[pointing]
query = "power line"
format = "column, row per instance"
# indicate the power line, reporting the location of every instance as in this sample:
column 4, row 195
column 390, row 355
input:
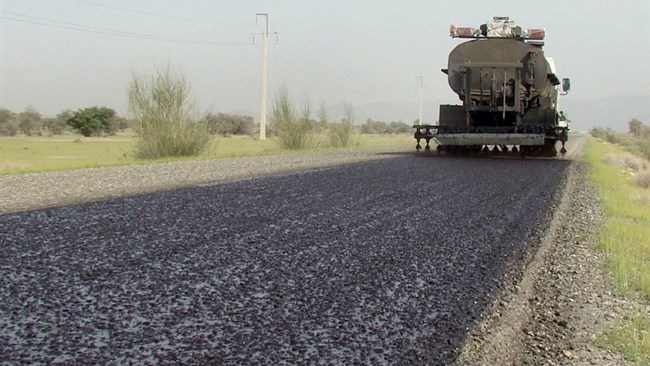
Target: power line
column 28, row 19
column 294, row 66
column 105, row 31
column 264, row 75
column 294, row 54
column 324, row 80
column 314, row 65
column 142, row 12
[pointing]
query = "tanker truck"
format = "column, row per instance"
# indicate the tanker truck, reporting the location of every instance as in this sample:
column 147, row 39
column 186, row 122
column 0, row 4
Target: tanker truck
column 509, row 92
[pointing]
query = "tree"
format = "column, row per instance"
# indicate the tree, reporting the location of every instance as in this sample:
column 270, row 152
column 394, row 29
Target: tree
column 28, row 121
column 230, row 124
column 378, row 127
column 6, row 116
column 636, row 127
column 93, row 121
column 65, row 115
column 58, row 124
column 120, row 123
column 7, row 122
column 398, row 127
column 373, row 127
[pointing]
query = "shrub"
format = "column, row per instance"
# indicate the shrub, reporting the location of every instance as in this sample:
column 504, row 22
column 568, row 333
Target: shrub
column 229, row 124
column 642, row 179
column 373, row 127
column 340, row 134
column 606, row 134
column 28, row 127
column 168, row 121
column 644, row 148
column 292, row 127
column 6, row 116
column 378, row 127
column 399, row 127
column 8, row 129
column 639, row 167
column 626, row 161
column 55, row 126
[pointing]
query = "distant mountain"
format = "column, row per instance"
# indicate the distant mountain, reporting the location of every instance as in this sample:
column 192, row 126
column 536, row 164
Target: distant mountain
column 390, row 112
column 613, row 112
column 243, row 112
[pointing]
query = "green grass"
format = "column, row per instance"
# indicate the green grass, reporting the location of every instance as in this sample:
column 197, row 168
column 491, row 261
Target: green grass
column 626, row 235
column 21, row 154
column 631, row 338
column 625, row 238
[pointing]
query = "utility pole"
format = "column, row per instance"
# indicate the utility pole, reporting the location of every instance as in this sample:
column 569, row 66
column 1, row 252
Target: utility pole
column 265, row 49
column 421, row 92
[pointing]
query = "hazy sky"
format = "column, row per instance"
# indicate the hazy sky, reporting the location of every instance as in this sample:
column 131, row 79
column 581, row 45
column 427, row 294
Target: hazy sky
column 59, row 54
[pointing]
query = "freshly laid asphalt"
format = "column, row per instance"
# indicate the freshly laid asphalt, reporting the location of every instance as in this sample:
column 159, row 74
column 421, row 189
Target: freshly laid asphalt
column 388, row 261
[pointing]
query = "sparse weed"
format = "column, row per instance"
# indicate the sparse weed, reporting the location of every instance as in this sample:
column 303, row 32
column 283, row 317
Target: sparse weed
column 293, row 128
column 626, row 239
column 631, row 338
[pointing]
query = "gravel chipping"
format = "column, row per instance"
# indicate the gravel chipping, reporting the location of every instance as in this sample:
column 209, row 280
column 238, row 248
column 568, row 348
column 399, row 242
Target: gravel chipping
column 21, row 192
column 389, row 259
column 565, row 300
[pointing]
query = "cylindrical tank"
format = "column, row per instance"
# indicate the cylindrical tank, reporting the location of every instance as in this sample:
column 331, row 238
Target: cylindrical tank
column 495, row 51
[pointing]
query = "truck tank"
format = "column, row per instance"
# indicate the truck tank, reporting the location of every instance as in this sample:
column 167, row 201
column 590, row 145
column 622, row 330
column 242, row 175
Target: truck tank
column 509, row 92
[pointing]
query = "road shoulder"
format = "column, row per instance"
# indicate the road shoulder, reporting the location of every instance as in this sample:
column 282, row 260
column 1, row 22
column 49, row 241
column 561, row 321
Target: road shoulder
column 564, row 301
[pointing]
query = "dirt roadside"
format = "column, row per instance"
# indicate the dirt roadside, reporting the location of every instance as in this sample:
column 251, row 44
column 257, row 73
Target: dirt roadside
column 565, row 300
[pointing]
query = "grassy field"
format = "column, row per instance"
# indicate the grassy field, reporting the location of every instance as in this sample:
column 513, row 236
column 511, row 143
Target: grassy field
column 30, row 154
column 21, row 154
column 625, row 238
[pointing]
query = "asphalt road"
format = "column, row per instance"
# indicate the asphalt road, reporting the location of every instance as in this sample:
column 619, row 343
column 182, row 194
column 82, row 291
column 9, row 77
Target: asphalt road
column 381, row 262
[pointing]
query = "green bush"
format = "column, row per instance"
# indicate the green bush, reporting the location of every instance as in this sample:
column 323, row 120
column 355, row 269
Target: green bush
column 93, row 121
column 379, row 127
column 168, row 121
column 293, row 128
column 229, row 124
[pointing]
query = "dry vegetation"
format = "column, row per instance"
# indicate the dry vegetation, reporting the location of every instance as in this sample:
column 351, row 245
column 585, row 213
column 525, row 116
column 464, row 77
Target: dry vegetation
column 636, row 166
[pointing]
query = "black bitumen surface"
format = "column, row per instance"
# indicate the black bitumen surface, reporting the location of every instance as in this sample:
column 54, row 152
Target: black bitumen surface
column 384, row 262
